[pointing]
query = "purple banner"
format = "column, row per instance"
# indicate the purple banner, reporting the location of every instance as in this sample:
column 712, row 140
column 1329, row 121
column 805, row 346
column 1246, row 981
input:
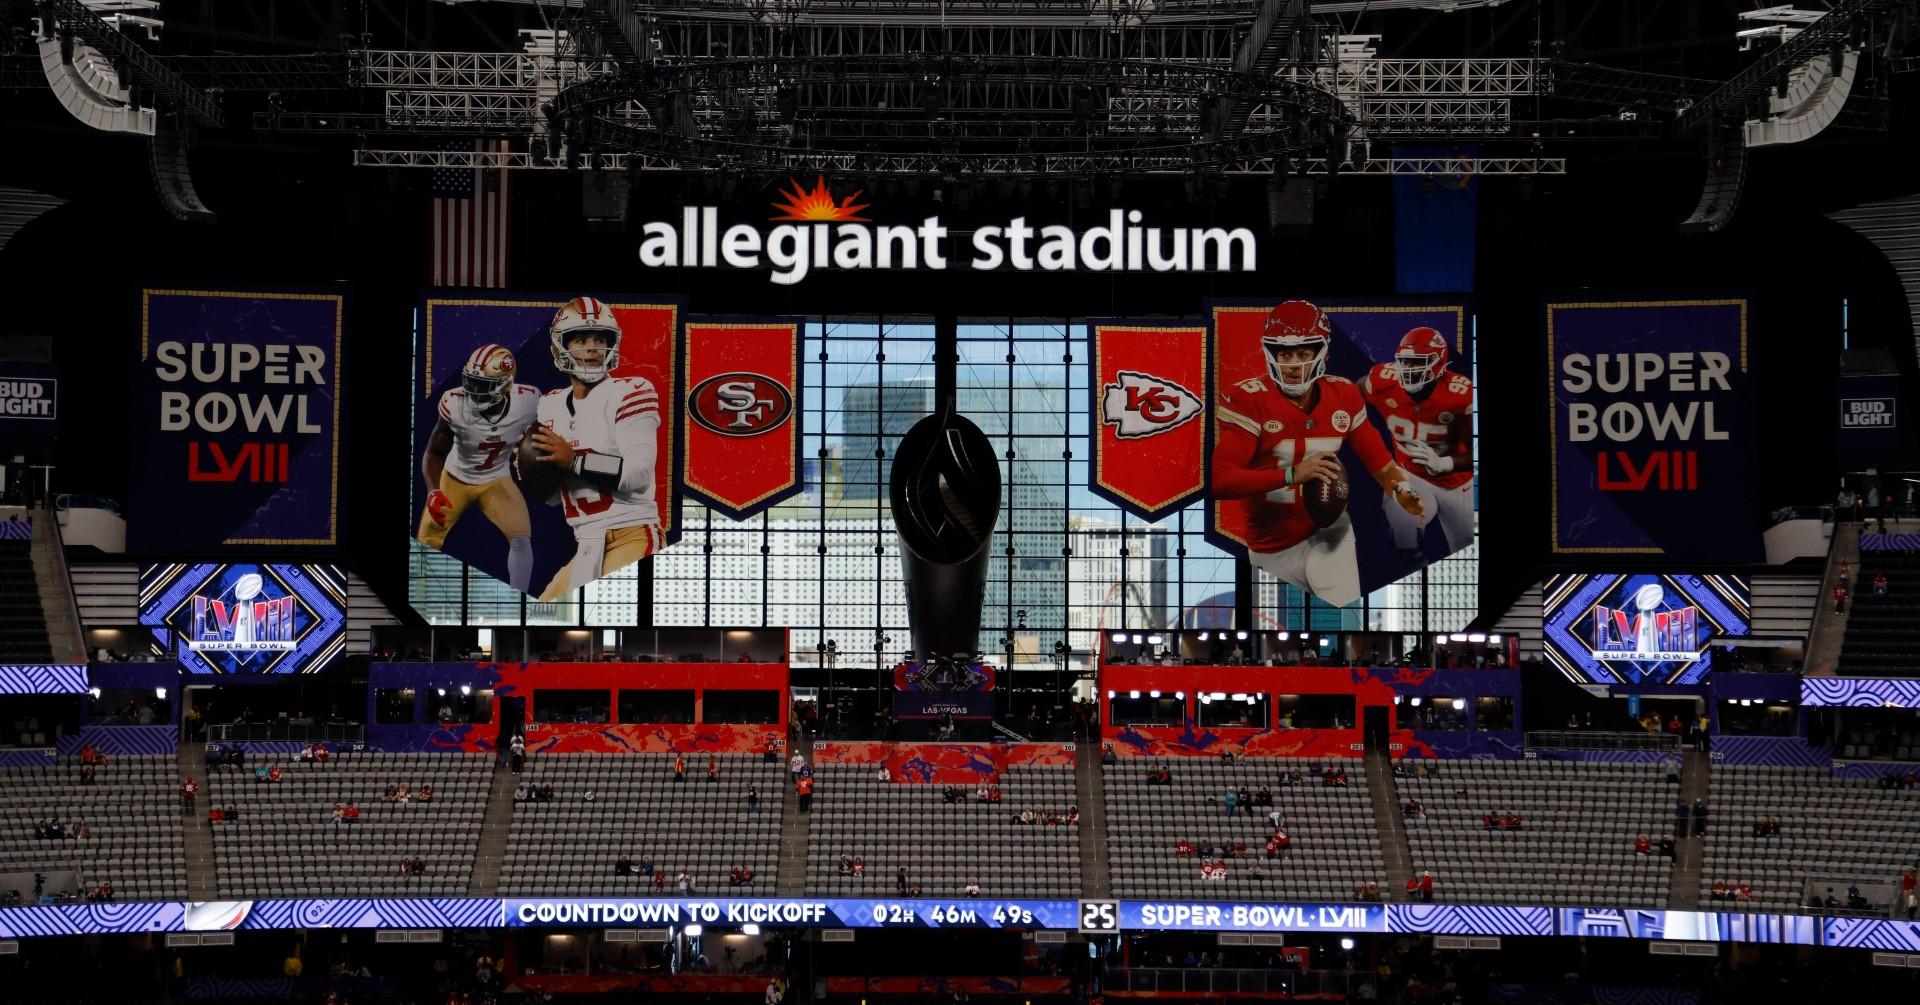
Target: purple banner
column 236, row 420
column 1860, row 692
column 43, row 678
column 1773, row 751
column 1650, row 428
column 1872, row 771
column 1889, row 542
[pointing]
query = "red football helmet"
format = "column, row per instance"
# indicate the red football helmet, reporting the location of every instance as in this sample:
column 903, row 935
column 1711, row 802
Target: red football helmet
column 1421, row 358
column 1296, row 325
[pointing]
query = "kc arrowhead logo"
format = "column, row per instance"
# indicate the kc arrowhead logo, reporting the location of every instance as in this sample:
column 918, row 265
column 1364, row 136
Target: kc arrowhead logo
column 1139, row 405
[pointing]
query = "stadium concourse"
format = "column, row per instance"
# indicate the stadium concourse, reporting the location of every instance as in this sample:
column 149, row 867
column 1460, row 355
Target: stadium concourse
column 1013, row 501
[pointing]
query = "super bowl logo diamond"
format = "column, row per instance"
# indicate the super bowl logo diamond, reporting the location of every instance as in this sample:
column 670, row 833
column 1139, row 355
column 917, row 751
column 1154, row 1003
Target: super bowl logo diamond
column 1140, row 404
column 243, row 622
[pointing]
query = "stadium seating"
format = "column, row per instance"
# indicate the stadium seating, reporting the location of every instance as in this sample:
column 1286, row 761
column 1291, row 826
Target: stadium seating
column 132, row 812
column 23, row 625
column 1575, row 845
column 1841, row 832
column 943, row 846
column 1335, row 844
column 569, row 845
column 1879, row 639
column 286, row 843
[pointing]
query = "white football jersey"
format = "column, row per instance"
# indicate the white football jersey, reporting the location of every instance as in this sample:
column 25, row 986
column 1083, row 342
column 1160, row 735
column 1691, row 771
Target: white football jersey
column 483, row 449
column 619, row 416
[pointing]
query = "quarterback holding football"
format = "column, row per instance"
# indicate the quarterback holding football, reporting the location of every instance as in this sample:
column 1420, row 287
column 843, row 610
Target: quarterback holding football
column 1276, row 457
column 594, row 447
column 466, row 460
column 1429, row 414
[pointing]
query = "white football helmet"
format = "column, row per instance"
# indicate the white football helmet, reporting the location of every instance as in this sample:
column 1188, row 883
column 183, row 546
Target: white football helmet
column 584, row 316
column 488, row 377
column 1297, row 324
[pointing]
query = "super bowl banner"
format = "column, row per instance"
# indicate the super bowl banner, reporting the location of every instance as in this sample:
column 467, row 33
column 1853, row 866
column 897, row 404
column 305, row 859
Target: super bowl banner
column 246, row 618
column 1649, row 428
column 1341, row 442
column 943, row 688
column 742, row 413
column 1149, row 423
column 545, row 435
column 29, row 399
column 236, row 420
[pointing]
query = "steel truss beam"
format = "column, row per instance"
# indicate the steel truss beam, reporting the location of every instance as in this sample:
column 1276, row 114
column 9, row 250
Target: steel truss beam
column 1732, row 100
column 1264, row 166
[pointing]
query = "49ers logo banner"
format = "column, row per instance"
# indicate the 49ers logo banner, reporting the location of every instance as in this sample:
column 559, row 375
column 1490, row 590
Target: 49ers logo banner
column 742, row 413
column 1149, row 436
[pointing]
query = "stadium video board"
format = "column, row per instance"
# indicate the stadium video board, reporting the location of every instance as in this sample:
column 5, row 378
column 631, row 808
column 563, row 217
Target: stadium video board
column 1640, row 628
column 246, row 618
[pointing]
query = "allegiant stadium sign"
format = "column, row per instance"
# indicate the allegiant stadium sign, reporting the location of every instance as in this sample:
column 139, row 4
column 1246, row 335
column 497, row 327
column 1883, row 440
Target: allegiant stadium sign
column 820, row 233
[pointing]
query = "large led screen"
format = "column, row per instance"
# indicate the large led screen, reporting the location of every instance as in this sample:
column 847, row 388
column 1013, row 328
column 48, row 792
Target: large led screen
column 246, row 618
column 1640, row 628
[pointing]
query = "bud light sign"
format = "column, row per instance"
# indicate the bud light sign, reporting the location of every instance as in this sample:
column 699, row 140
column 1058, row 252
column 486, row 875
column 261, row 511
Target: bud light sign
column 246, row 618
column 1644, row 628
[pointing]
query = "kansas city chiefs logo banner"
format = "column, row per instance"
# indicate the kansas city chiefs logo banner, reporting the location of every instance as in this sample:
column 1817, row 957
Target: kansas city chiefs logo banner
column 1149, row 431
column 742, row 413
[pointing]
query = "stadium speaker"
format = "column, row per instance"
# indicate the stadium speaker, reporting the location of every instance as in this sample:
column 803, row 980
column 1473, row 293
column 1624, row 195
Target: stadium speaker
column 1726, row 174
column 603, row 199
column 1289, row 204
column 945, row 489
column 172, row 176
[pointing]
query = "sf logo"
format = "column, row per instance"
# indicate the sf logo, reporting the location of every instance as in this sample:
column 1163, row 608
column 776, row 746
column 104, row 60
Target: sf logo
column 740, row 404
column 1141, row 404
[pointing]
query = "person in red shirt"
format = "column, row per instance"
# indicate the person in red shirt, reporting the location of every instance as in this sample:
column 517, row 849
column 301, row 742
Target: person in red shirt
column 351, row 814
column 1426, row 886
column 273, row 773
column 1429, row 417
column 713, row 768
column 1840, row 599
column 1642, row 846
column 1280, row 430
column 1413, row 887
column 804, row 788
column 321, row 752
column 188, row 790
column 679, row 768
column 216, row 815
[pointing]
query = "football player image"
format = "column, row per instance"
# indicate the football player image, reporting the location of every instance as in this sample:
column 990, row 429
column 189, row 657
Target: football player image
column 600, row 433
column 468, row 457
column 1282, row 430
column 1429, row 414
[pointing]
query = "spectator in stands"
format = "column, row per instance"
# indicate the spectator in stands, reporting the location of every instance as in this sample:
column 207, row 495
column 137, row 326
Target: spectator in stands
column 846, row 864
column 1675, row 727
column 260, row 773
column 339, row 814
column 406, row 866
column 520, row 793
column 1414, row 810
column 900, row 880
column 86, row 774
column 684, row 882
column 217, row 815
column 1906, row 888
column 321, row 752
column 517, row 752
column 972, row 889
column 993, row 793
column 1665, row 844
column 1673, row 769
column 1719, row 891
column 1246, row 801
column 1024, row 817
column 426, row 792
column 1840, row 598
column 351, row 814
column 679, row 768
column 1699, row 818
column 660, row 880
column 81, row 831
column 1264, row 797
column 1743, row 893
column 103, row 892
column 804, row 789
column 273, row 773
column 795, row 763
column 882, row 773
column 713, row 768
column 1108, row 757
column 188, row 790
column 1642, row 846
column 1232, row 800
column 1426, row 886
column 753, row 798
column 1279, row 844
column 1879, row 584
column 1073, row 815
column 305, row 754
column 623, row 866
column 859, row 866
column 771, row 753
column 588, row 796
column 1183, row 849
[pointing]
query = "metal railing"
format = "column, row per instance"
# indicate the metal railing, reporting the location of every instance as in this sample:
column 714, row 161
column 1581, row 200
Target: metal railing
column 1224, row 981
column 1573, row 739
column 299, row 732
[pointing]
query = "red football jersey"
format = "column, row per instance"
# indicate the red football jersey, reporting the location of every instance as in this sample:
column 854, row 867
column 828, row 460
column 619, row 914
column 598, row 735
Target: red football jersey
column 1261, row 428
column 1444, row 418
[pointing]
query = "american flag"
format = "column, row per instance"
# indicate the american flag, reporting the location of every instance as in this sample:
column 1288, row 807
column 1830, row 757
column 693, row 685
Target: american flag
column 471, row 220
